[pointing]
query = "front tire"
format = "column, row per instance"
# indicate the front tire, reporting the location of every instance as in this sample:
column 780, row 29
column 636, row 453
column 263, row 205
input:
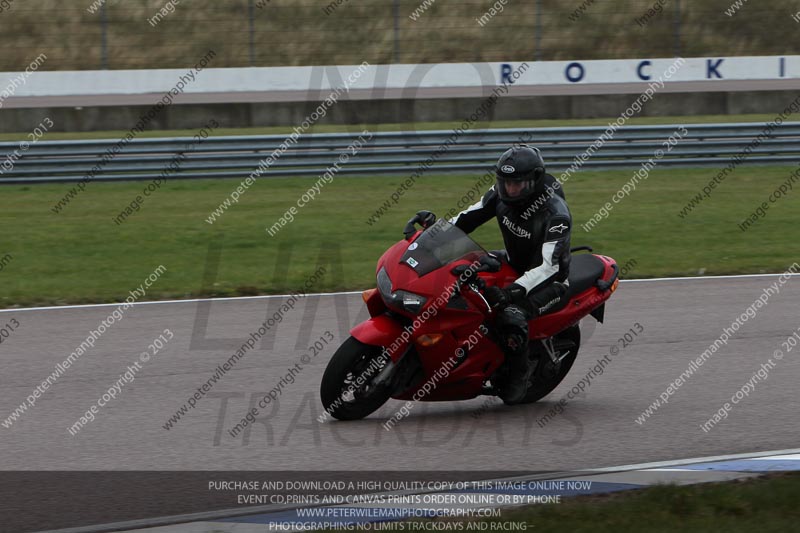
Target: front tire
column 348, row 391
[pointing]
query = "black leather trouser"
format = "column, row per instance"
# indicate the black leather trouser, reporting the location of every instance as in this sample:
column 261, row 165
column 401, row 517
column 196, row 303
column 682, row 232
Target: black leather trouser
column 512, row 325
column 512, row 321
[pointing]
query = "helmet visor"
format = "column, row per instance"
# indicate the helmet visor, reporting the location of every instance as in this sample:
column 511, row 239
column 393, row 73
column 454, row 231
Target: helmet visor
column 514, row 190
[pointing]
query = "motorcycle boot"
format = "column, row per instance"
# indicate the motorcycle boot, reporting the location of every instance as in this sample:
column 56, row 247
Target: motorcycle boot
column 513, row 329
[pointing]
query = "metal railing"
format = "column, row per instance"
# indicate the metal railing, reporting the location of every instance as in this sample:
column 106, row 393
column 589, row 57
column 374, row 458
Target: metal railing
column 391, row 152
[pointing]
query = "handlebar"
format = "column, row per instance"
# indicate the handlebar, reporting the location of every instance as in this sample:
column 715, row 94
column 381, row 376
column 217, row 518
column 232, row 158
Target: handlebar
column 460, row 270
column 473, row 281
column 487, row 263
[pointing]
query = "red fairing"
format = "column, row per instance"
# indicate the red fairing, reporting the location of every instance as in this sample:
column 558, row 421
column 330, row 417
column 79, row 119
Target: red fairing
column 464, row 381
column 391, row 257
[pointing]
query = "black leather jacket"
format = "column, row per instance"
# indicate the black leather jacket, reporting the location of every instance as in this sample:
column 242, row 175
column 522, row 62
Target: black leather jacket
column 536, row 235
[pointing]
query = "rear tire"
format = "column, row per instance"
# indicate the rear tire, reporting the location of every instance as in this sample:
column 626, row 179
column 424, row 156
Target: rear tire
column 544, row 380
column 342, row 396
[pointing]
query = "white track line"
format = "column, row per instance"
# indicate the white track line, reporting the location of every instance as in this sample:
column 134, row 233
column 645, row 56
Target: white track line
column 681, row 462
column 732, row 276
column 156, row 302
column 194, row 300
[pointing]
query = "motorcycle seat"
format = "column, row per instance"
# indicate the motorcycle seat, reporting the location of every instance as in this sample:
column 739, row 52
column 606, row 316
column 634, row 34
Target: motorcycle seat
column 584, row 271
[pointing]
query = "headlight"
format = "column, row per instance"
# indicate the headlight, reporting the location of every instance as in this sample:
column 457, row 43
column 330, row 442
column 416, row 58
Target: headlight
column 384, row 284
column 407, row 301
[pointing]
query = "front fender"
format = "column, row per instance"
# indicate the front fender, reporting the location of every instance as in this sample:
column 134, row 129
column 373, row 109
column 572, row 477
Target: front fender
column 382, row 330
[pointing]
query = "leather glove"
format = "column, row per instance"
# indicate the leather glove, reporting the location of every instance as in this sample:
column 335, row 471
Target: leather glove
column 426, row 219
column 501, row 298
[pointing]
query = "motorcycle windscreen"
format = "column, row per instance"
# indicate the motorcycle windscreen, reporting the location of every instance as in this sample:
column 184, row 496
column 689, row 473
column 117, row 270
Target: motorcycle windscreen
column 439, row 245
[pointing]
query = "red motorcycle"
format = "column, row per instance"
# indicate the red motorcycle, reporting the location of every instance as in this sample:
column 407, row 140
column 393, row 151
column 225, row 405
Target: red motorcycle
column 431, row 336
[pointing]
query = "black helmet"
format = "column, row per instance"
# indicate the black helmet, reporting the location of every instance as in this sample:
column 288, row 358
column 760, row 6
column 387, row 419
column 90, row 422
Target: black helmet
column 520, row 165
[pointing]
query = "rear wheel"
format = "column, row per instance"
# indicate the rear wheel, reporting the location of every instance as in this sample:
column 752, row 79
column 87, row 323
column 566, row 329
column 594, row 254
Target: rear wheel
column 548, row 375
column 348, row 391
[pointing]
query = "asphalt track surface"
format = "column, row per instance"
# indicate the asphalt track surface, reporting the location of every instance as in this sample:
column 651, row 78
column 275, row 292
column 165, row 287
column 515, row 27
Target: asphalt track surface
column 680, row 318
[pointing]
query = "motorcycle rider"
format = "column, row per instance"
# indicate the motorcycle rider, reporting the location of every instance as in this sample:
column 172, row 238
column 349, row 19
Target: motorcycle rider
column 536, row 224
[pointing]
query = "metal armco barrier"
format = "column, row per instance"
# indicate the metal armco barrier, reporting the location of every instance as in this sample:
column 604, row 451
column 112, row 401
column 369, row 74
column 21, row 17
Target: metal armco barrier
column 392, row 152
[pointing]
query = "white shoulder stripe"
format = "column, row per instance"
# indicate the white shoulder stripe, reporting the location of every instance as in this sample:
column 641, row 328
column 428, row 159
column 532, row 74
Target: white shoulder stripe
column 535, row 276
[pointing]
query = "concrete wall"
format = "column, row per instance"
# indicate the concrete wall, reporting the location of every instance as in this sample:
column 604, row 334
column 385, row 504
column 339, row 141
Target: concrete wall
column 190, row 116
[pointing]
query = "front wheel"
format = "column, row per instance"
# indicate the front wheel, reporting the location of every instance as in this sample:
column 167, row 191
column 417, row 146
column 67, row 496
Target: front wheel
column 348, row 391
